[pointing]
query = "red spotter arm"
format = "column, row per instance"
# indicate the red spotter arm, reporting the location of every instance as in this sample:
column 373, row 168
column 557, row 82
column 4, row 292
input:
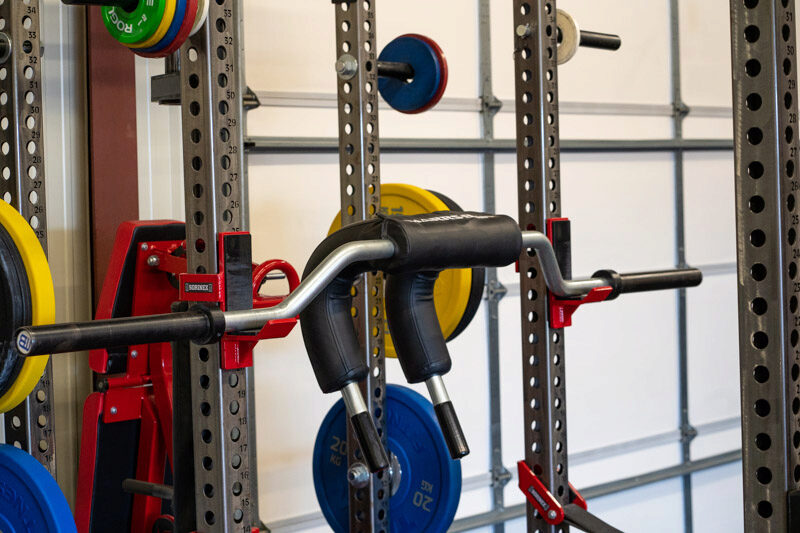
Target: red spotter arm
column 575, row 513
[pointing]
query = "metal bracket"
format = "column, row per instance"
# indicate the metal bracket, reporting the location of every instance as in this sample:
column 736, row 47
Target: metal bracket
column 491, row 104
column 501, row 477
column 680, row 110
column 688, row 433
column 495, row 290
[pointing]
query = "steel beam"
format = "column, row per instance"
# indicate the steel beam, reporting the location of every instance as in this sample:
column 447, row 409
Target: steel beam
column 290, row 145
column 474, row 105
column 679, row 113
column 490, row 106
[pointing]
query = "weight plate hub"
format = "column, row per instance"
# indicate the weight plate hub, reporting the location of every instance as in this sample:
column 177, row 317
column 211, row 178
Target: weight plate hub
column 30, row 500
column 569, row 36
column 19, row 246
column 430, row 74
column 427, row 496
column 458, row 292
column 141, row 24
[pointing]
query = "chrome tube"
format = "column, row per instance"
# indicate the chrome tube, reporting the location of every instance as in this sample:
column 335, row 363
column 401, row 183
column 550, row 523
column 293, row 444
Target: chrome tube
column 552, row 272
column 312, row 286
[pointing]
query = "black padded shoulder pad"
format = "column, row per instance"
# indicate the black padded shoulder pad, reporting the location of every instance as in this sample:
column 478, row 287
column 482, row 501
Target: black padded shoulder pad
column 429, row 242
column 327, row 326
column 446, row 239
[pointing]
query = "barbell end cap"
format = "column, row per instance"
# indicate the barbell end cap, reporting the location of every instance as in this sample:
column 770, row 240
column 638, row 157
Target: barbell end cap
column 370, row 442
column 23, row 341
column 451, row 430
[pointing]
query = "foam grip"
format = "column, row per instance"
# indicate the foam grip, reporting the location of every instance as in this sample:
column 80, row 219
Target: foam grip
column 370, row 442
column 411, row 315
column 451, row 429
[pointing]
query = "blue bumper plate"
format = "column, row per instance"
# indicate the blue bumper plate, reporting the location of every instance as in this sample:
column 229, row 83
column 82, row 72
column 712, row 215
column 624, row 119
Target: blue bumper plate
column 427, row 496
column 430, row 74
column 30, row 499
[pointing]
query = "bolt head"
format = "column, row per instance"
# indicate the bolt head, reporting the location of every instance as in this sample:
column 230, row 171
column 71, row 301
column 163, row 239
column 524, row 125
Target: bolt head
column 551, row 515
column 113, row 410
column 143, row 246
column 524, row 30
column 153, row 261
column 346, row 66
column 358, row 476
column 134, row 354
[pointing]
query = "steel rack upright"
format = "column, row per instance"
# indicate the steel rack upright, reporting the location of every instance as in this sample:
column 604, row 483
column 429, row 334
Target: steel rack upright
column 539, row 198
column 359, row 178
column 765, row 147
column 214, row 434
column 31, row 424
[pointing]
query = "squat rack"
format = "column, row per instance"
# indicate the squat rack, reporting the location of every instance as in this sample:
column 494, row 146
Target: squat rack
column 225, row 22
column 487, row 146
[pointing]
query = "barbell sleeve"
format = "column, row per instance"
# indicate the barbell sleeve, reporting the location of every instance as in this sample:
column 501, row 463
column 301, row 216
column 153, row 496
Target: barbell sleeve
column 127, row 5
column 658, row 280
column 398, row 71
column 364, row 427
column 601, row 41
column 448, row 420
column 74, row 337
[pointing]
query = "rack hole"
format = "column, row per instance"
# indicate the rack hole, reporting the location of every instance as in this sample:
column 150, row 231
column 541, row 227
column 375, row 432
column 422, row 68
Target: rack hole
column 758, row 271
column 759, row 306
column 763, row 442
column 760, row 340
column 757, row 238
column 755, row 170
column 755, row 136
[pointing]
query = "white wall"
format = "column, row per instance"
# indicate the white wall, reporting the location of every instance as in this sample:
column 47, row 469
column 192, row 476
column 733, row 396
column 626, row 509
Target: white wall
column 622, row 357
column 65, row 141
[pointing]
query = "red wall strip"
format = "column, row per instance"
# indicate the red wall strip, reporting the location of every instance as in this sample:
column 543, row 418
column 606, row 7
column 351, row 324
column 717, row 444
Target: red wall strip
column 112, row 138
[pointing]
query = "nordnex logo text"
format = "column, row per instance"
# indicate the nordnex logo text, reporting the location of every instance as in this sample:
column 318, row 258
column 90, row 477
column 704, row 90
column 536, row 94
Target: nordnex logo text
column 198, row 287
column 445, row 218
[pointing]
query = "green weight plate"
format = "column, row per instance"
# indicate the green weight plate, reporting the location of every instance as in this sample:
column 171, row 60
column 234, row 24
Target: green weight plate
column 134, row 27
